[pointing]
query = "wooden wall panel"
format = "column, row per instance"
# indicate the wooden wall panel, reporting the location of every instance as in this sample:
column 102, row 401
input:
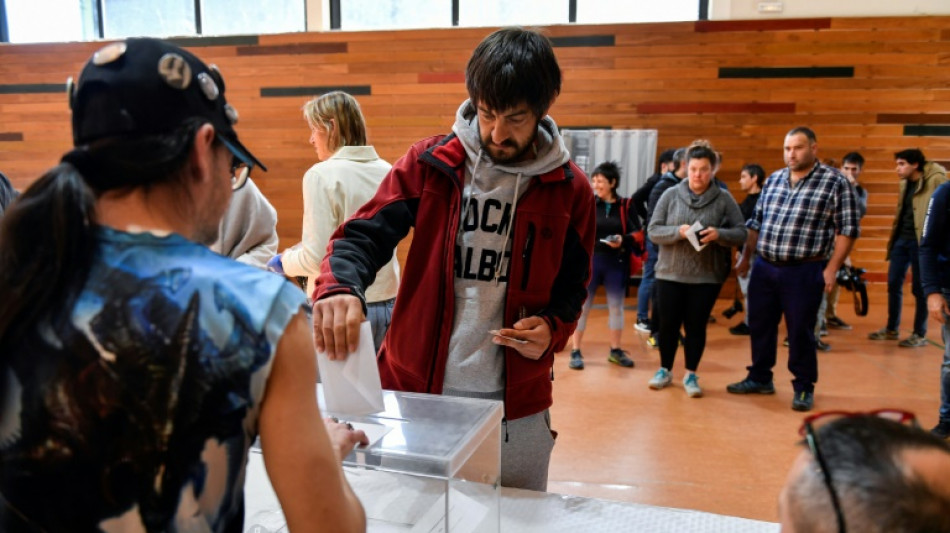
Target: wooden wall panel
column 871, row 84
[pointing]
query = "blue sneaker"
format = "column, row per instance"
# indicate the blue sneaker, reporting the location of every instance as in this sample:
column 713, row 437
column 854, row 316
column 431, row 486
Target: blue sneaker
column 577, row 361
column 661, row 379
column 691, row 384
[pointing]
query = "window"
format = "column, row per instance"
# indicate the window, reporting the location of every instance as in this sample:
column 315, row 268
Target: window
column 394, row 14
column 613, row 12
column 521, row 13
column 232, row 17
column 153, row 18
column 29, row 21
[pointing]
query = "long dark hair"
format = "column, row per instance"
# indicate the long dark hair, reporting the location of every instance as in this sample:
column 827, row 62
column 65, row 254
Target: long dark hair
column 48, row 236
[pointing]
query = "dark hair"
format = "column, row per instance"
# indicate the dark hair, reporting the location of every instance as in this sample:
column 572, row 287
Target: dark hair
column 757, row 172
column 513, row 66
column 609, row 170
column 665, row 157
column 913, row 156
column 679, row 157
column 700, row 151
column 807, row 132
column 47, row 237
column 853, row 157
column 7, row 193
column 865, row 456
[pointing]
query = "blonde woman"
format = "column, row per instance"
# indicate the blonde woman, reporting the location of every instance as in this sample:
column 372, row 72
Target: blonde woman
column 347, row 176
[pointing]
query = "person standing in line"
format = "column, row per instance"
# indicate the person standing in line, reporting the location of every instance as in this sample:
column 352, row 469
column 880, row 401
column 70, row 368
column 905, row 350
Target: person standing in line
column 689, row 280
column 668, row 180
column 751, row 179
column 935, row 283
column 806, row 210
column 616, row 223
column 347, row 176
column 851, row 166
column 919, row 179
column 495, row 280
column 641, row 200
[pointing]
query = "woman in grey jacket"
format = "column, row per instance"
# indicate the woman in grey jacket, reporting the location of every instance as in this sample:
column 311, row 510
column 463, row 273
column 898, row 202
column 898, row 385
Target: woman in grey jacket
column 688, row 281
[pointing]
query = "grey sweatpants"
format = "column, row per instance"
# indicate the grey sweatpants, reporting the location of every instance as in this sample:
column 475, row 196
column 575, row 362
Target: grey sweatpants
column 526, row 446
column 527, row 453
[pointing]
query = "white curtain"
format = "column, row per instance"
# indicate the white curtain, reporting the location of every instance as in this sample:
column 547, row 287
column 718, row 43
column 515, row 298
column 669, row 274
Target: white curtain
column 633, row 150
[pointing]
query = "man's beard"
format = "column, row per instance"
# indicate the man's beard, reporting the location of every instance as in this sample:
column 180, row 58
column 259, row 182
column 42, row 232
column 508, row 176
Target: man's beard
column 520, row 151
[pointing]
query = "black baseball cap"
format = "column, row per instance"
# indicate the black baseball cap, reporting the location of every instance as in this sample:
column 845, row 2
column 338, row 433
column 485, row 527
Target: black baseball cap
column 142, row 86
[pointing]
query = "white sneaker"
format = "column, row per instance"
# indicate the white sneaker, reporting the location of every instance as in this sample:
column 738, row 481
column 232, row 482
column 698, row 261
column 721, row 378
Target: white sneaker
column 661, row 379
column 691, row 384
column 642, row 325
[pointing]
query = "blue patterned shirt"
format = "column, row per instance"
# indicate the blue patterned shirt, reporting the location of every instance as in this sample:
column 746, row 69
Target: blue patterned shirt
column 135, row 411
column 800, row 222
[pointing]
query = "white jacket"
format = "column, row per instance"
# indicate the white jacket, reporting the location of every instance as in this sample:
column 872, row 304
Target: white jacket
column 332, row 191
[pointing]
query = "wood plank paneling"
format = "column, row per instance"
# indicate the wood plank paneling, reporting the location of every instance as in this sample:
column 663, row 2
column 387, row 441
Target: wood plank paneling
column 884, row 86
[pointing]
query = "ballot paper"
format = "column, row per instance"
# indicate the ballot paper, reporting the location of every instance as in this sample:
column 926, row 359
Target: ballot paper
column 692, row 235
column 352, row 386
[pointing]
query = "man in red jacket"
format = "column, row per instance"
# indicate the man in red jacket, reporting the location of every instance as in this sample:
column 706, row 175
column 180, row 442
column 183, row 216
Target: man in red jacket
column 503, row 234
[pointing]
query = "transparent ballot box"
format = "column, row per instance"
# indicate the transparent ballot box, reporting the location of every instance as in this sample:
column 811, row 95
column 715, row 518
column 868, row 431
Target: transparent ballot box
column 433, row 463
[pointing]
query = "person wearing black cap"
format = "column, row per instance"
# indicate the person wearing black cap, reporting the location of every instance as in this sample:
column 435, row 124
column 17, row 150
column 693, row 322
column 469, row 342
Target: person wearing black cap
column 137, row 366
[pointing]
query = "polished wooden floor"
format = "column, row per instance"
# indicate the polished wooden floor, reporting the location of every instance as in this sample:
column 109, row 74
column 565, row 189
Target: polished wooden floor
column 721, row 453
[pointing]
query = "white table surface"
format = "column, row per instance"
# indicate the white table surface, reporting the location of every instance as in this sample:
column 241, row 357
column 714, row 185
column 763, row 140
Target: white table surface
column 523, row 511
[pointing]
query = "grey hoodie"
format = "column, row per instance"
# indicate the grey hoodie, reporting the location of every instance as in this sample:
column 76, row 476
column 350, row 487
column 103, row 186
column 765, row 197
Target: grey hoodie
column 678, row 260
column 489, row 202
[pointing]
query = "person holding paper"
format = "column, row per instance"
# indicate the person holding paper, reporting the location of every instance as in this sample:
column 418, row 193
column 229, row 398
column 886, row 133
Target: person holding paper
column 695, row 225
column 137, row 366
column 503, row 232
column 616, row 223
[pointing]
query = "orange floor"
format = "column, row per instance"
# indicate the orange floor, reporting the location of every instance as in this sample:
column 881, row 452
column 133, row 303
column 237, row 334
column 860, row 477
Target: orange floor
column 722, row 453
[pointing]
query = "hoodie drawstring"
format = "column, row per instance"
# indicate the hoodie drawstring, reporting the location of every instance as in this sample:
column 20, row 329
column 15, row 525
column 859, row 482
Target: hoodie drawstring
column 500, row 267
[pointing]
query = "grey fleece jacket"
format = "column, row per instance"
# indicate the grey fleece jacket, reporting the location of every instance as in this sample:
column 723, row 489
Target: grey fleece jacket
column 678, row 260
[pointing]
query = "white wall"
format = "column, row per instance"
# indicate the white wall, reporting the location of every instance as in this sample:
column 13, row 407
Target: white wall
column 748, row 9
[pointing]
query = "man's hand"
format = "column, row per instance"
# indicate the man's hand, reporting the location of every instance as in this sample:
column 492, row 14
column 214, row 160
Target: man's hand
column 683, row 229
column 336, row 325
column 831, row 278
column 742, row 267
column 532, row 329
column 938, row 308
column 343, row 437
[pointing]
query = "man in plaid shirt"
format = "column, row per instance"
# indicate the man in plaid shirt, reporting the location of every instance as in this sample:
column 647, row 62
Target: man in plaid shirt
column 803, row 228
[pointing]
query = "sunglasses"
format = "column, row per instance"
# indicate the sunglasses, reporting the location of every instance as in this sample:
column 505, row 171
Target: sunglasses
column 809, row 430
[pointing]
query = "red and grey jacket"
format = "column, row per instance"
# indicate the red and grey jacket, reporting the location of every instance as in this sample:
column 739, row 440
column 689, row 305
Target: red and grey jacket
column 551, row 246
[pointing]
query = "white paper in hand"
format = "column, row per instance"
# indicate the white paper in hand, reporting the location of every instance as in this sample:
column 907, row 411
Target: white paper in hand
column 352, row 386
column 692, row 234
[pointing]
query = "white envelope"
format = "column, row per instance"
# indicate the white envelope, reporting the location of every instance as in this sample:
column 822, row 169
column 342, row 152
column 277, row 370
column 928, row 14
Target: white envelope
column 693, row 236
column 352, row 386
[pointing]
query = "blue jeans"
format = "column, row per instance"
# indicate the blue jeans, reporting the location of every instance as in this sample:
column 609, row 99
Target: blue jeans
column 904, row 254
column 645, row 291
column 945, row 367
column 795, row 291
column 380, row 314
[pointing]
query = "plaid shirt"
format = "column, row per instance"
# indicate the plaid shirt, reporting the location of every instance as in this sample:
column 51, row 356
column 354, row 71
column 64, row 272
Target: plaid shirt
column 796, row 223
